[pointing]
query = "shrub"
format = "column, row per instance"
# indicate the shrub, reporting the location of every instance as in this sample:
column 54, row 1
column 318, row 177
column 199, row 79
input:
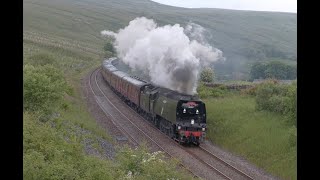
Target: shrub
column 279, row 98
column 207, row 75
column 43, row 87
column 264, row 92
column 218, row 91
column 139, row 164
column 277, row 103
column 250, row 91
column 109, row 49
column 291, row 104
column 46, row 155
column 205, row 92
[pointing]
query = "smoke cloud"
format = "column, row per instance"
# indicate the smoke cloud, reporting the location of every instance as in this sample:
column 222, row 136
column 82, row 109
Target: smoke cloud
column 171, row 55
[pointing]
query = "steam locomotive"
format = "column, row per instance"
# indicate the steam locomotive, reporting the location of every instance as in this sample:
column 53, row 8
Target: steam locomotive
column 180, row 116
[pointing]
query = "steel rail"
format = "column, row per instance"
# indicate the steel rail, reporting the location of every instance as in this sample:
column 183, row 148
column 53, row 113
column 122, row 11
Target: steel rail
column 97, row 70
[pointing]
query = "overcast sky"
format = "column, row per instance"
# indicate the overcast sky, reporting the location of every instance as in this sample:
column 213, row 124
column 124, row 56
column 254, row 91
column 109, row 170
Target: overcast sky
column 256, row 5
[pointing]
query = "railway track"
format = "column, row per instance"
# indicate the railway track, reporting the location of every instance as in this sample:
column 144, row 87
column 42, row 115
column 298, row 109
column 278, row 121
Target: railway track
column 124, row 131
column 225, row 163
column 200, row 153
column 113, row 118
column 223, row 168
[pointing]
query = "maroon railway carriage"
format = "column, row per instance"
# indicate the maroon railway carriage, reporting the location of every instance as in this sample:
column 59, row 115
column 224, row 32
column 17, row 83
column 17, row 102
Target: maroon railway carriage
column 131, row 89
column 116, row 80
column 107, row 72
column 128, row 87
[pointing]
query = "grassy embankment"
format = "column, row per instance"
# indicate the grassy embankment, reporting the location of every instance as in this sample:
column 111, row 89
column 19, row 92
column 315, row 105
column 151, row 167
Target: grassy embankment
column 264, row 138
column 55, row 141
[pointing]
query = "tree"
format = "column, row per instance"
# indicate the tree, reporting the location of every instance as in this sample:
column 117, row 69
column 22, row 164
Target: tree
column 258, row 71
column 207, row 75
column 276, row 69
column 273, row 69
column 109, row 49
column 291, row 72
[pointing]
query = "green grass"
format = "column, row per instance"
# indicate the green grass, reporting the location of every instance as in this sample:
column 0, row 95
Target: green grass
column 77, row 115
column 84, row 20
column 74, row 65
column 261, row 137
column 48, row 155
column 55, row 149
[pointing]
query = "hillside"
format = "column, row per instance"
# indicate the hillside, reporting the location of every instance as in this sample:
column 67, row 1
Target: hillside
column 243, row 36
column 62, row 43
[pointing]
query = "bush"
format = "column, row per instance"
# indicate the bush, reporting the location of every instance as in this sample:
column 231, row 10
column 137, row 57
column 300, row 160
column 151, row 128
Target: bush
column 205, row 92
column 291, row 104
column 43, row 88
column 218, row 91
column 278, row 103
column 250, row 91
column 109, row 49
column 46, row 155
column 207, row 75
column 275, row 97
column 139, row 164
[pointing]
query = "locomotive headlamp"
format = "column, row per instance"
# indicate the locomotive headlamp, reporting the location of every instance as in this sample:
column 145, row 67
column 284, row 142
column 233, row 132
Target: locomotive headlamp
column 184, row 110
column 192, row 121
column 179, row 127
column 197, row 112
column 203, row 129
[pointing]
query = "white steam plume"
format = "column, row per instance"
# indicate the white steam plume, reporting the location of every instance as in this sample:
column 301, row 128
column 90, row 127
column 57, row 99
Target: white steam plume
column 108, row 33
column 167, row 54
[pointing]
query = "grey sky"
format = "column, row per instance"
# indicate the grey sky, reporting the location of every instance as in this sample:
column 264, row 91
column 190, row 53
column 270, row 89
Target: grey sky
column 256, row 5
